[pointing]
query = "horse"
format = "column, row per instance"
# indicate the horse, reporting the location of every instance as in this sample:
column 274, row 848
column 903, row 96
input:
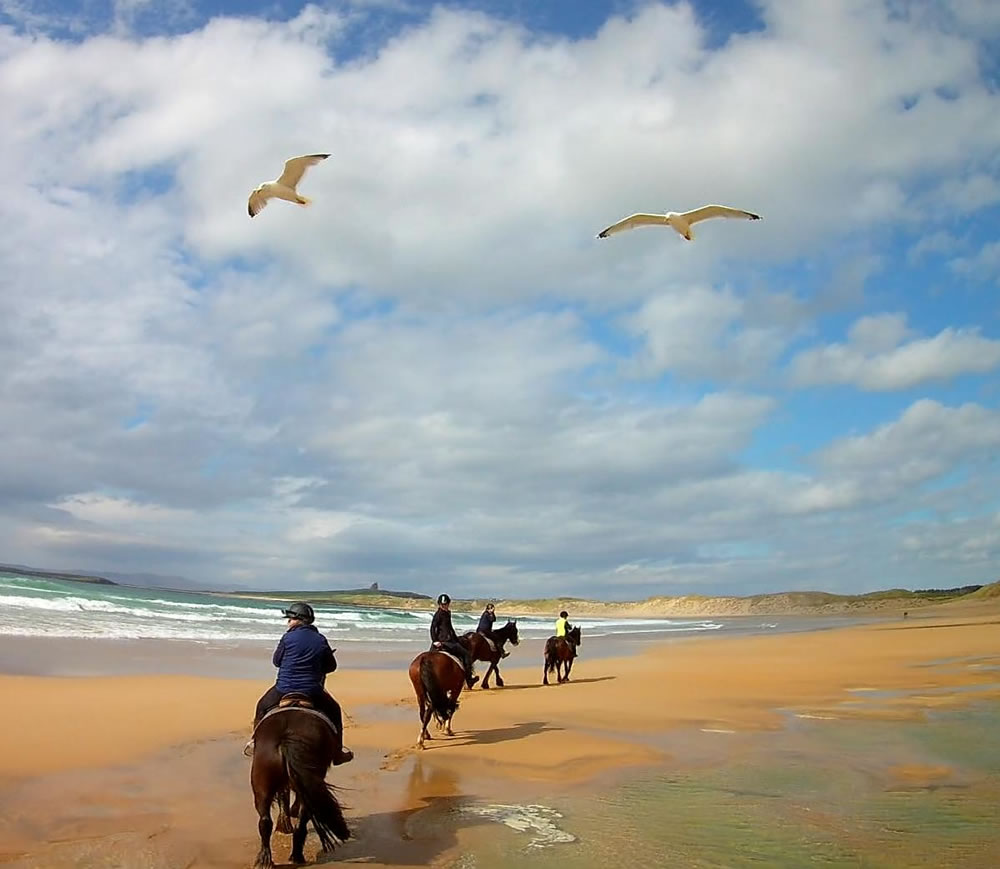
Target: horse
column 437, row 681
column 481, row 650
column 560, row 652
column 294, row 747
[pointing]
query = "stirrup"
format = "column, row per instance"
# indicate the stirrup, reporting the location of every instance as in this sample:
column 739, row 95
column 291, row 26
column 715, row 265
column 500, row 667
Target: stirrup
column 345, row 756
column 248, row 748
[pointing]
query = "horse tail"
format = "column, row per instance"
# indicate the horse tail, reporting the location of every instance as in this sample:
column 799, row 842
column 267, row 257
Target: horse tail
column 442, row 705
column 307, row 773
column 550, row 656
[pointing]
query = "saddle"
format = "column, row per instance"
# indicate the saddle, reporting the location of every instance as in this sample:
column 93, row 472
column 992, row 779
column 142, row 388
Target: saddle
column 489, row 640
column 293, row 702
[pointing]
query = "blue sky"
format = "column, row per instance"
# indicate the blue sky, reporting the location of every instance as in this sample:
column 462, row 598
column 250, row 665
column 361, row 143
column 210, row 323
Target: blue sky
column 436, row 376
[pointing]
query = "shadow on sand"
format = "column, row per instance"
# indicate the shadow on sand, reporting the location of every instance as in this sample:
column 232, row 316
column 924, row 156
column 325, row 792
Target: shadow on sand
column 553, row 684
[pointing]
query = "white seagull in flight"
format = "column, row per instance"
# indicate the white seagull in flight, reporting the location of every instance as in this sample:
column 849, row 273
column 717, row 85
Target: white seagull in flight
column 680, row 222
column 284, row 186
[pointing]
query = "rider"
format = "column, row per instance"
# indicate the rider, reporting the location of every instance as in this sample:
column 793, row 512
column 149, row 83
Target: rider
column 563, row 627
column 443, row 636
column 486, row 626
column 303, row 658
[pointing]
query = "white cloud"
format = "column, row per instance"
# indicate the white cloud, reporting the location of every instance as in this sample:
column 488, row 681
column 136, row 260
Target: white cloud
column 421, row 376
column 984, row 265
column 703, row 332
column 875, row 356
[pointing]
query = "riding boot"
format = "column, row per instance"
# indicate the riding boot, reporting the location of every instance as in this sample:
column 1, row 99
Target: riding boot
column 470, row 679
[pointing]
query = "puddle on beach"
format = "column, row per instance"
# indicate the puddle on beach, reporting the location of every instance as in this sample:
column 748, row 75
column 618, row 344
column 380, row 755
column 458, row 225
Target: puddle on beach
column 829, row 793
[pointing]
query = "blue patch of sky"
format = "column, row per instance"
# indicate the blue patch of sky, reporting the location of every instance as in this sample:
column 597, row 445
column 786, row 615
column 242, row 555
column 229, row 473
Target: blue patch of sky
column 143, row 413
column 370, row 24
column 137, row 185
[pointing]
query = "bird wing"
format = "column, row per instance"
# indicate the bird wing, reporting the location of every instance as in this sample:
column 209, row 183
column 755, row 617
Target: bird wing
column 257, row 202
column 708, row 211
column 295, row 168
column 632, row 221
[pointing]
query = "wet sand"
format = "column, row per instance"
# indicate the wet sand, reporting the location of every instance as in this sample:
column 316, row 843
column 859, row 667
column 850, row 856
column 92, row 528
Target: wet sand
column 147, row 771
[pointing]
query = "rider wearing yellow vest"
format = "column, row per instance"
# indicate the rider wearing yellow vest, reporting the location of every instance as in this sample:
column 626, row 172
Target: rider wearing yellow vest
column 562, row 625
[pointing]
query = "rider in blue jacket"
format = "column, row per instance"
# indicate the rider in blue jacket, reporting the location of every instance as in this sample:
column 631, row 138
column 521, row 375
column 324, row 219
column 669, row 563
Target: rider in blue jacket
column 303, row 658
column 485, row 627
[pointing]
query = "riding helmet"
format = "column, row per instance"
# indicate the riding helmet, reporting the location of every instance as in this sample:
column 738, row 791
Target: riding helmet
column 443, row 599
column 564, row 615
column 301, row 611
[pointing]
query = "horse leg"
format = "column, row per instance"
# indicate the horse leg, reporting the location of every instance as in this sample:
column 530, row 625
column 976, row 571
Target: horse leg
column 486, row 679
column 496, row 670
column 293, row 812
column 425, row 719
column 284, row 824
column 448, row 729
column 299, row 839
column 262, row 801
column 545, row 673
column 569, row 666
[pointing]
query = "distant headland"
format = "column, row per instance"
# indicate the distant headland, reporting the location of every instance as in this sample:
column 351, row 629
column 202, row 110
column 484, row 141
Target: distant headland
column 21, row 570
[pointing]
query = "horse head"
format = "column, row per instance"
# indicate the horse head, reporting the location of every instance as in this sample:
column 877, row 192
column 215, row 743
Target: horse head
column 511, row 631
column 573, row 635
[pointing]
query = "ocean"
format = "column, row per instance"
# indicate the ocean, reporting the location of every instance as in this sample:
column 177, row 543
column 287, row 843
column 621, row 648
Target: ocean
column 31, row 606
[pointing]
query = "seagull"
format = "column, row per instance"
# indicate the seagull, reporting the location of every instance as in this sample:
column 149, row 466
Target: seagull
column 681, row 222
column 284, row 187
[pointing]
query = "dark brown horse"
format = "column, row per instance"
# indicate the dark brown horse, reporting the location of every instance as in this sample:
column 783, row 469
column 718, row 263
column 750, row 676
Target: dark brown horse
column 437, row 681
column 481, row 650
column 559, row 653
column 293, row 749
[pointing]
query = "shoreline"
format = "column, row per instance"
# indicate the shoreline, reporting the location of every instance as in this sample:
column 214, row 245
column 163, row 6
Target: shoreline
column 251, row 658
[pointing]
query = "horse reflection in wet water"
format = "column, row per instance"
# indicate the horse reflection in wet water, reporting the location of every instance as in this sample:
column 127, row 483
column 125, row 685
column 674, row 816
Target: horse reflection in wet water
column 560, row 653
column 437, row 681
column 293, row 750
column 481, row 649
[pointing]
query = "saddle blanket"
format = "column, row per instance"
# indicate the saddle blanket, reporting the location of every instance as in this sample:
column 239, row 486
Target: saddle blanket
column 450, row 655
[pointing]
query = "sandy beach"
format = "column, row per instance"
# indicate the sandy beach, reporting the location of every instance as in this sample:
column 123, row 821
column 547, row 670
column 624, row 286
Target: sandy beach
column 160, row 754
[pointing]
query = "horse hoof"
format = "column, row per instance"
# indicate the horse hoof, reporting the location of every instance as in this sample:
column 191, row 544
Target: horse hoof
column 297, row 859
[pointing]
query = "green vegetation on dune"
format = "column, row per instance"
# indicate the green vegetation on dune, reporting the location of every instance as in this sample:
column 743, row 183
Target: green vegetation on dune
column 987, row 591
column 792, row 602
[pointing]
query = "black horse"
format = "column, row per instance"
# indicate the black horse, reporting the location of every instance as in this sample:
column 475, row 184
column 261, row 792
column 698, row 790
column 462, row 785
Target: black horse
column 482, row 650
column 559, row 653
column 293, row 749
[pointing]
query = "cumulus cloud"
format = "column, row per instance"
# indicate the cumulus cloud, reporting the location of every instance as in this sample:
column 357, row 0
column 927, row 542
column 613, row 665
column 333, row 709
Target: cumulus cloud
column 436, row 374
column 877, row 356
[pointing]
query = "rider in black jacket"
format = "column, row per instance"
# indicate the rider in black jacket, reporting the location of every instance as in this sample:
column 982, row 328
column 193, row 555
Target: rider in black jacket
column 443, row 637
